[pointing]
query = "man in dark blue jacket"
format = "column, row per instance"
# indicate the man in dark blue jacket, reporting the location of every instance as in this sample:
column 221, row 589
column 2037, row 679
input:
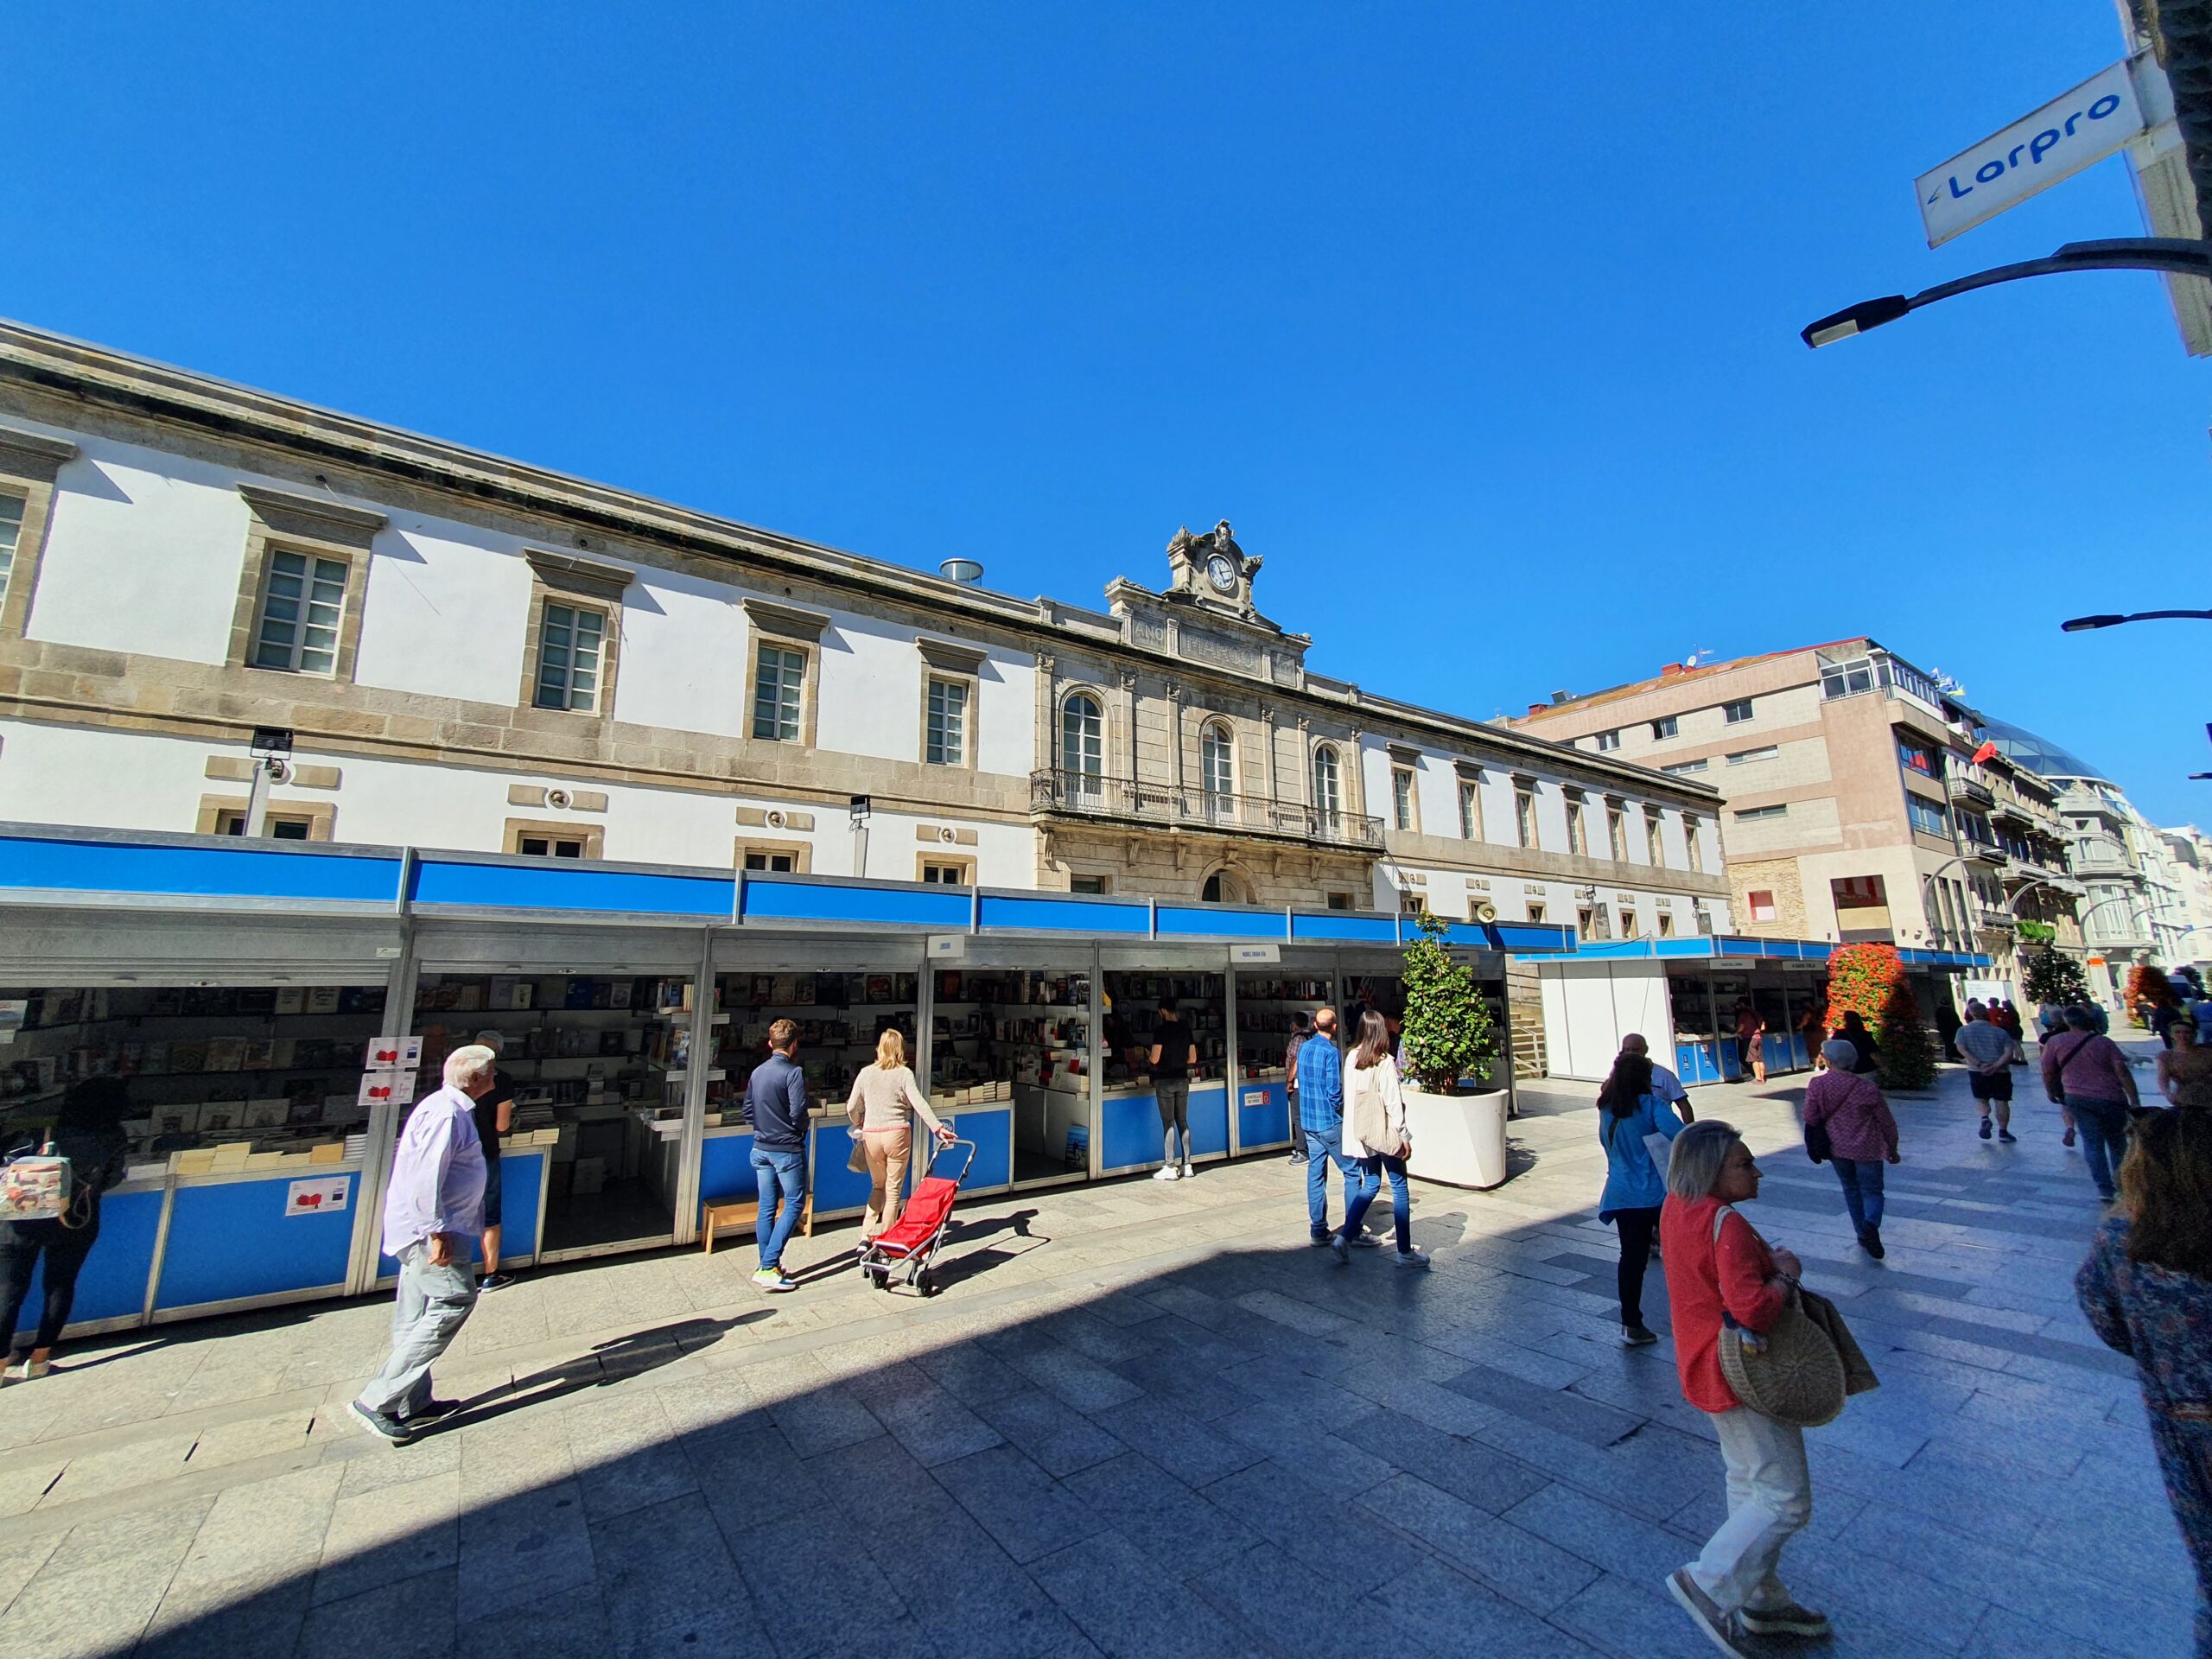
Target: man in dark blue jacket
column 775, row 1098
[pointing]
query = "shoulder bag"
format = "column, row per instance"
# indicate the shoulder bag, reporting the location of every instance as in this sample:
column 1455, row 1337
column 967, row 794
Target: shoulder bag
column 1799, row 1377
column 1371, row 1118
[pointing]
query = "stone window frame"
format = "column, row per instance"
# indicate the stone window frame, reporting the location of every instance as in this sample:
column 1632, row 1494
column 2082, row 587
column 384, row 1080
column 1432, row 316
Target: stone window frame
column 785, row 627
column 964, row 863
column 1223, row 729
column 1578, row 823
column 1107, row 731
column 1334, row 748
column 1616, row 830
column 281, row 522
column 801, row 854
column 954, row 665
column 593, row 836
column 1405, row 760
column 322, row 817
column 29, row 463
column 1528, row 820
column 1470, row 778
column 1655, row 837
column 579, row 583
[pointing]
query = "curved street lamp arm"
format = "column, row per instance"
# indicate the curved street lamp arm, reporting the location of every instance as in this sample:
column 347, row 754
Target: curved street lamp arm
column 2176, row 255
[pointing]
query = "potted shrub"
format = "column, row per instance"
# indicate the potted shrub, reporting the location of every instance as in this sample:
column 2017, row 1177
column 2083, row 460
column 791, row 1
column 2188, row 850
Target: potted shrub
column 1869, row 980
column 1457, row 1119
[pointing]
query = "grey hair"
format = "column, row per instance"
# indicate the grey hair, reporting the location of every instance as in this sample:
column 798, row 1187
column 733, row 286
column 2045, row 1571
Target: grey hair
column 1693, row 1161
column 470, row 1064
column 1839, row 1055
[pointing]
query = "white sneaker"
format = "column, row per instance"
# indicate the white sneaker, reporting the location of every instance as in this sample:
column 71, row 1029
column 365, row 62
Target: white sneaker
column 1165, row 1172
column 1363, row 1240
column 772, row 1279
column 1413, row 1258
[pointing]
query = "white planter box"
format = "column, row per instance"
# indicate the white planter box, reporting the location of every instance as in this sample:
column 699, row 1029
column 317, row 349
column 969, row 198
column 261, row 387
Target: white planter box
column 1459, row 1139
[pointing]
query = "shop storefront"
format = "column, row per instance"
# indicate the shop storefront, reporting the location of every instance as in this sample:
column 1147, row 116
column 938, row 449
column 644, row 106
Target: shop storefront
column 1703, row 1000
column 276, row 1010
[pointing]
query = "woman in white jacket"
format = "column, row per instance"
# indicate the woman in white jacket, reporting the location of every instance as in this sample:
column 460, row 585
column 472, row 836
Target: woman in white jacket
column 1375, row 1104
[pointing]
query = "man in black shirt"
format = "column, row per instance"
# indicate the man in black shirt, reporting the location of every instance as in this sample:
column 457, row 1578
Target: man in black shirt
column 1173, row 1054
column 494, row 1116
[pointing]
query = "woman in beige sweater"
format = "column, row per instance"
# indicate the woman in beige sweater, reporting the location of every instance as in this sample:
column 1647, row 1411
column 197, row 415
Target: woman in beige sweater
column 884, row 1100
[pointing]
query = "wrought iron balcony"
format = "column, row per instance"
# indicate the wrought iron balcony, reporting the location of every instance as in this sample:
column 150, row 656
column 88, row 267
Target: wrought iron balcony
column 1965, row 788
column 1086, row 795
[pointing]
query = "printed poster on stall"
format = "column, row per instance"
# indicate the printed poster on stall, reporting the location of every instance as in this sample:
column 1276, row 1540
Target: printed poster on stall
column 317, row 1198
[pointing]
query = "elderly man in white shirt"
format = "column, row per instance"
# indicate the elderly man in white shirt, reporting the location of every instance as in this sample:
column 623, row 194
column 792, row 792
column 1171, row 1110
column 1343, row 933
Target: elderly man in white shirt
column 1665, row 1083
column 432, row 1212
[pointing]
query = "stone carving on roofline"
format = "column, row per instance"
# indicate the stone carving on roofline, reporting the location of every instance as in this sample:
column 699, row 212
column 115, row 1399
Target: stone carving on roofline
column 1211, row 567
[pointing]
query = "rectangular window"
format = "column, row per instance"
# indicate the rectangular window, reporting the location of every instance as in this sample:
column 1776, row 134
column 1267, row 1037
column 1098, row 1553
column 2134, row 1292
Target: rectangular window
column 1628, row 922
column 1664, row 728
column 1340, row 901
column 1915, row 757
column 1750, row 756
column 1616, row 835
column 1608, row 741
column 12, row 531
column 773, row 863
column 1754, row 814
column 1535, row 910
column 1654, row 844
column 301, row 606
column 1524, row 816
column 275, row 826
column 1927, row 817
column 1412, row 904
column 1761, row 904
column 1577, row 835
column 1737, row 712
column 1401, row 796
column 1666, row 923
column 567, row 656
column 775, row 694
column 1086, row 884
column 1471, row 813
column 945, row 875
column 550, row 846
column 948, row 722
column 1690, row 839
column 1846, row 679
column 1685, row 768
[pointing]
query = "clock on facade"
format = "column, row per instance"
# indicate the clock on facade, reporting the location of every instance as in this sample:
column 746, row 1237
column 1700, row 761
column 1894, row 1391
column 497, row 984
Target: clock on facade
column 1221, row 572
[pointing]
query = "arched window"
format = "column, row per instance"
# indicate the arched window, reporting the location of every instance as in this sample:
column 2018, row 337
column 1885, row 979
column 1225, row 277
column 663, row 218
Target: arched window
column 1222, row 888
column 1083, row 748
column 1218, row 760
column 1211, row 894
column 1328, row 792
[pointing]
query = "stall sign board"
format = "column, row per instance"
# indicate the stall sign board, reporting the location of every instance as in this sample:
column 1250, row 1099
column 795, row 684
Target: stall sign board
column 1255, row 953
column 2096, row 119
column 1255, row 1097
column 395, row 1051
column 317, row 1198
column 388, row 1086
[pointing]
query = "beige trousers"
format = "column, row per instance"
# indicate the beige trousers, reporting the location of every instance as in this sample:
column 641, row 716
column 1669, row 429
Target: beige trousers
column 889, row 1152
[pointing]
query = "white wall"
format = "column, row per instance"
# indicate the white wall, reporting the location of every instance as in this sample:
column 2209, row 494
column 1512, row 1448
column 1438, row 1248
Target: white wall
column 444, row 613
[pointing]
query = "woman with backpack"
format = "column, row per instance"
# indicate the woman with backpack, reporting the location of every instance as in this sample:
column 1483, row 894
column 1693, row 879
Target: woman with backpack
column 88, row 1132
column 1628, row 1111
column 1376, row 1138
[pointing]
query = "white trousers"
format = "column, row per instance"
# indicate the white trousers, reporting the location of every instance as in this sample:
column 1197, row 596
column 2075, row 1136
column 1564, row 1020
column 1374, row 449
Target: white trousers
column 1769, row 1497
column 426, row 1316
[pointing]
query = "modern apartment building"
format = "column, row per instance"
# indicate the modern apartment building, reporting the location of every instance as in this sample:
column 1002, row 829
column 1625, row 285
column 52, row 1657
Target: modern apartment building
column 474, row 653
column 1861, row 800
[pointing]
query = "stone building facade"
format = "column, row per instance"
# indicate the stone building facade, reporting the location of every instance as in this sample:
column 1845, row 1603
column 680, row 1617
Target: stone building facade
column 473, row 653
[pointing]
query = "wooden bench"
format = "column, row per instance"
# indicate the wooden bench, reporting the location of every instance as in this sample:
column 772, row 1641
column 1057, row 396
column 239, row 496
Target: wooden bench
column 743, row 1215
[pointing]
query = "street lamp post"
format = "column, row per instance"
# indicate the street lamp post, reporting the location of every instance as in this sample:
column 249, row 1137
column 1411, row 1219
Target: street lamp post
column 2176, row 254
column 2088, row 624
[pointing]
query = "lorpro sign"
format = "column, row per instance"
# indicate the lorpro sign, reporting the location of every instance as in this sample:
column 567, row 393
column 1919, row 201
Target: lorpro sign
column 2068, row 134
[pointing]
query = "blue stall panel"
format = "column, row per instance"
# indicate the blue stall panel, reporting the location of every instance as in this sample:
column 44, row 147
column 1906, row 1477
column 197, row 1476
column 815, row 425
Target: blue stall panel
column 1696, row 1063
column 521, row 1175
column 1209, row 1120
column 1773, row 1049
column 726, row 1171
column 834, row 1186
column 199, row 871
column 1732, row 1062
column 1263, row 1114
column 1128, row 1131
column 112, row 1284
column 1064, row 915
column 233, row 1239
column 1209, row 923
column 991, row 1128
column 565, row 885
column 951, row 909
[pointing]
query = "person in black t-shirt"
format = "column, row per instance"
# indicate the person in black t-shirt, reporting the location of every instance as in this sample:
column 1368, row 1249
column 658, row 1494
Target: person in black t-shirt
column 495, row 1116
column 1173, row 1054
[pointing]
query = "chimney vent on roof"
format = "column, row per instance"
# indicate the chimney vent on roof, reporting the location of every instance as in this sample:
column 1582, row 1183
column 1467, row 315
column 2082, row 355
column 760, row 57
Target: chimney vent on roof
column 1671, row 670
column 1562, row 696
column 1538, row 708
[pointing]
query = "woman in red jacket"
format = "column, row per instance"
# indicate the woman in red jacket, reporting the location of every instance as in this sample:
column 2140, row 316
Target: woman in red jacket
column 1723, row 1280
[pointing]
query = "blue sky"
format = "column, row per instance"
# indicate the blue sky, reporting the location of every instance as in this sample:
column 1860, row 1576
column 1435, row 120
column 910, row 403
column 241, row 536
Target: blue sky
column 1479, row 321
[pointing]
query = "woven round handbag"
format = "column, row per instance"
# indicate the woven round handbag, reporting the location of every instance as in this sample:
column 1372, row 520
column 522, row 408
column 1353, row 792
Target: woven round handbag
column 1797, row 1378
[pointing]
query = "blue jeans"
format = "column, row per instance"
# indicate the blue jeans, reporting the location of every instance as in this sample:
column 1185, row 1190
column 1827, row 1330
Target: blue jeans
column 1371, row 1171
column 775, row 1167
column 1323, row 1148
column 1862, row 1190
column 2103, row 1124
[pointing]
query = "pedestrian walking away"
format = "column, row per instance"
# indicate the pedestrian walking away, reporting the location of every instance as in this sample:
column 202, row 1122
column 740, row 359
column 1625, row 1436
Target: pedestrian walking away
column 1630, row 1108
column 1865, row 1050
column 1301, row 1028
column 1665, row 1083
column 1988, row 1050
column 88, row 1132
column 775, row 1102
column 1750, row 1048
column 1173, row 1055
column 1322, row 1121
column 493, row 1117
column 2087, row 1072
column 433, row 1212
column 2146, row 1289
column 1862, row 1136
column 1375, row 1135
column 1721, row 1280
column 885, row 1101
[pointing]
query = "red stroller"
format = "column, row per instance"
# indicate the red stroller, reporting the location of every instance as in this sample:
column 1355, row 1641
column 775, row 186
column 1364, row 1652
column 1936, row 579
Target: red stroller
column 911, row 1243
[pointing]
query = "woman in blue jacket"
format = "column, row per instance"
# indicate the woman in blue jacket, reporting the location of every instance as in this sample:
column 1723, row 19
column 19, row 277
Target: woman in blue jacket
column 1635, row 1189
